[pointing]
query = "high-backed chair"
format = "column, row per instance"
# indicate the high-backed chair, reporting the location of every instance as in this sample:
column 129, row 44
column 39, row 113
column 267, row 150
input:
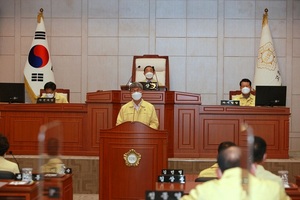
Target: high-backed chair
column 160, row 63
column 65, row 92
column 238, row 92
column 6, row 175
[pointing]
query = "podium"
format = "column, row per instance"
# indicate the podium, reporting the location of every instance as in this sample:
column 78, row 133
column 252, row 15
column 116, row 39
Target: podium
column 132, row 156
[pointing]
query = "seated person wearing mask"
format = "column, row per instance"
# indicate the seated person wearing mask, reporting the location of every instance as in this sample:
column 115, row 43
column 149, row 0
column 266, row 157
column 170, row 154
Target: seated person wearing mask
column 246, row 98
column 232, row 184
column 6, row 165
column 138, row 109
column 149, row 73
column 212, row 171
column 50, row 88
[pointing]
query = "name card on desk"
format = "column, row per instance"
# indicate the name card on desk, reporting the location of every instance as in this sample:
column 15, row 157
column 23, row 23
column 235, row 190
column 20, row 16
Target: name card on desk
column 172, row 171
column 164, row 195
column 171, row 179
column 230, row 102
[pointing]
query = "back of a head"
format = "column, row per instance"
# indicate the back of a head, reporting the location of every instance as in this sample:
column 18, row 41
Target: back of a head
column 259, row 149
column 135, row 85
column 229, row 158
column 4, row 145
column 225, row 145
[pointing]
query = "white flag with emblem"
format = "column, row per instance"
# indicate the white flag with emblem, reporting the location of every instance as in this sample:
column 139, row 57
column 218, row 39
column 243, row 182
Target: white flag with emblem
column 38, row 68
column 267, row 70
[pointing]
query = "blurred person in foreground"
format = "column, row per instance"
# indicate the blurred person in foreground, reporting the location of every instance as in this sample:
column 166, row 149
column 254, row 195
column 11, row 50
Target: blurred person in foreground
column 54, row 163
column 6, row 165
column 259, row 157
column 229, row 186
column 212, row 171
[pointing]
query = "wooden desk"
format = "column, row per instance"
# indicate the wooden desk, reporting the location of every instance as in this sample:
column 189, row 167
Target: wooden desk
column 194, row 130
column 64, row 184
column 20, row 192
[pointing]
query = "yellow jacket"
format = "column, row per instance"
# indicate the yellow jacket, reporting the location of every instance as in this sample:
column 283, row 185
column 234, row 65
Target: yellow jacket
column 229, row 187
column 146, row 114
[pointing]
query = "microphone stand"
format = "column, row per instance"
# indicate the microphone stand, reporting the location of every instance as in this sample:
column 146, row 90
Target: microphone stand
column 11, row 153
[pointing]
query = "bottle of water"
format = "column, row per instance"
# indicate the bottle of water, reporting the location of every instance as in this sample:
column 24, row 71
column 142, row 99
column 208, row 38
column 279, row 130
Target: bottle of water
column 284, row 177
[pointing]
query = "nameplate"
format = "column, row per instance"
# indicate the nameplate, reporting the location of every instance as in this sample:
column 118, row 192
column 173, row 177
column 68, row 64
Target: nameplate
column 171, row 179
column 37, row 177
column 68, row 171
column 164, row 195
column 230, row 102
column 45, row 100
column 172, row 172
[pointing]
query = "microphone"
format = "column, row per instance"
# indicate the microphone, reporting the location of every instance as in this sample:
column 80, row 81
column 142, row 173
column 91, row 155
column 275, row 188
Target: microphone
column 130, row 79
column 11, row 153
column 12, row 99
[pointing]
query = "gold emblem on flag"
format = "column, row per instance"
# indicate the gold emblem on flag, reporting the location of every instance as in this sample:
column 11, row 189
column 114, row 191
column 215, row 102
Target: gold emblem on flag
column 132, row 158
column 266, row 57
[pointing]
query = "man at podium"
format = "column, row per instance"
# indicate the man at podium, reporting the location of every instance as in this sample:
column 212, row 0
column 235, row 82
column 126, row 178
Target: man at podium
column 138, row 109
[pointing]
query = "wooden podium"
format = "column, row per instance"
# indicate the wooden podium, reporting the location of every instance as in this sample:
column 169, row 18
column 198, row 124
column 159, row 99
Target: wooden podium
column 132, row 156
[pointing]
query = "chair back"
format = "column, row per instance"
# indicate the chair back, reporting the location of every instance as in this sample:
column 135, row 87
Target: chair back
column 65, row 92
column 6, row 175
column 204, row 179
column 238, row 92
column 160, row 64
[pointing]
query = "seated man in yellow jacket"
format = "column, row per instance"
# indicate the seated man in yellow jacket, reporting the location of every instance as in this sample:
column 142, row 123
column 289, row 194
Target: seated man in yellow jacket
column 235, row 183
column 246, row 98
column 212, row 171
column 50, row 92
column 6, row 165
column 259, row 156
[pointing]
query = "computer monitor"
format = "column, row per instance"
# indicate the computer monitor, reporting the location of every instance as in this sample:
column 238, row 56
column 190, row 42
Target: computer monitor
column 12, row 92
column 270, row 96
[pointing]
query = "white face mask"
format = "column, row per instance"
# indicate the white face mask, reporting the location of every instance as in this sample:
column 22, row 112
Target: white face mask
column 136, row 96
column 149, row 75
column 245, row 90
column 49, row 95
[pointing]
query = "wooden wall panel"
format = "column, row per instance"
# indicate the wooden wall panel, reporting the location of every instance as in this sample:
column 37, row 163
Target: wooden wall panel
column 216, row 129
column 186, row 141
column 222, row 123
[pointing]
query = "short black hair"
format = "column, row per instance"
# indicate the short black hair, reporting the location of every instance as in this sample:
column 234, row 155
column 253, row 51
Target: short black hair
column 229, row 158
column 225, row 145
column 259, row 149
column 245, row 80
column 50, row 85
column 149, row 66
column 4, row 144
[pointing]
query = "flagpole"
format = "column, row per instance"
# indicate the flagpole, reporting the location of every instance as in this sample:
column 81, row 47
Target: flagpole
column 267, row 69
column 38, row 68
